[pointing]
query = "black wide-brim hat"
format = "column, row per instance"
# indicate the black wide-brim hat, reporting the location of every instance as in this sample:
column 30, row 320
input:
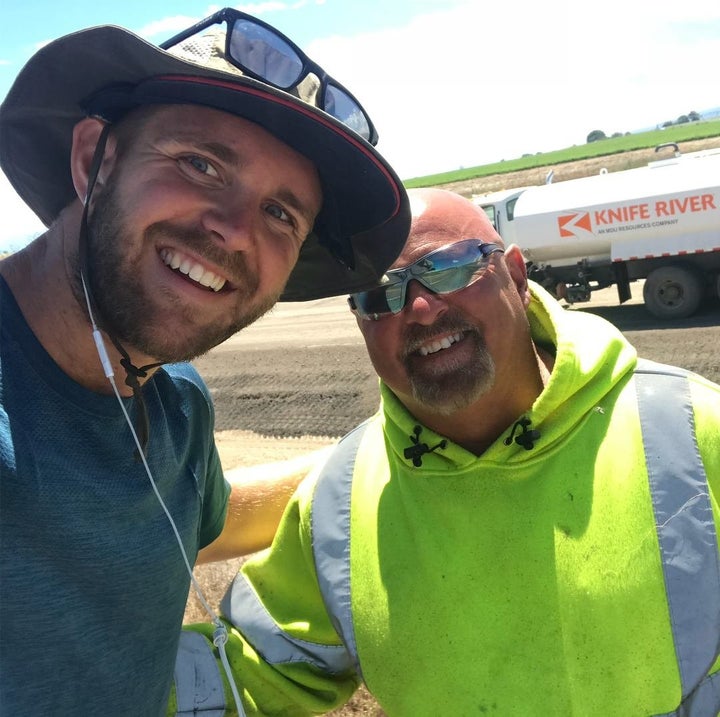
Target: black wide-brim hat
column 365, row 215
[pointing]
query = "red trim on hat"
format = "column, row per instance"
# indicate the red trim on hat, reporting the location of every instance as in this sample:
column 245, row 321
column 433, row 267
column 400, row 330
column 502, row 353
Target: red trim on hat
column 282, row 101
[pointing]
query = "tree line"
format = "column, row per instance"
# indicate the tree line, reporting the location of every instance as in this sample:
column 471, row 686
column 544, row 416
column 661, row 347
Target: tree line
column 598, row 134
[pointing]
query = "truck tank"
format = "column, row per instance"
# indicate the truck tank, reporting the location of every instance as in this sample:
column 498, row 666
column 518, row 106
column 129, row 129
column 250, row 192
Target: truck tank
column 659, row 210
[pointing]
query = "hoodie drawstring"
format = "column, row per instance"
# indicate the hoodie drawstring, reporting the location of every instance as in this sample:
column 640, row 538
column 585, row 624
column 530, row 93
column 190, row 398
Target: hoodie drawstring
column 417, row 450
column 527, row 438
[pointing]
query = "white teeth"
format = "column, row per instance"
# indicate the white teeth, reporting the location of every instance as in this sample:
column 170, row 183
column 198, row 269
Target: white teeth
column 197, row 272
column 435, row 346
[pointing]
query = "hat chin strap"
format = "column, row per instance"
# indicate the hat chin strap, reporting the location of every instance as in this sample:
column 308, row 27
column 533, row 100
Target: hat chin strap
column 132, row 372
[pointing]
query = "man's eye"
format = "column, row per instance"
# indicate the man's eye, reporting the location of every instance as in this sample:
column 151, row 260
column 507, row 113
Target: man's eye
column 278, row 212
column 201, row 165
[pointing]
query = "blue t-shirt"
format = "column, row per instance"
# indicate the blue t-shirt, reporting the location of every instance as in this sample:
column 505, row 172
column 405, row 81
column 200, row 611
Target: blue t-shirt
column 92, row 582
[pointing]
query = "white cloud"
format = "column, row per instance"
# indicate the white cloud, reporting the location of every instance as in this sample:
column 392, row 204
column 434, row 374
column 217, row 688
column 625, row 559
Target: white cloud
column 167, row 26
column 483, row 82
column 476, row 84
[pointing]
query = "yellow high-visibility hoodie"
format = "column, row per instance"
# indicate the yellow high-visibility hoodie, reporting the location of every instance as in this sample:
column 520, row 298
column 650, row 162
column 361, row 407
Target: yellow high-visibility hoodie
column 551, row 576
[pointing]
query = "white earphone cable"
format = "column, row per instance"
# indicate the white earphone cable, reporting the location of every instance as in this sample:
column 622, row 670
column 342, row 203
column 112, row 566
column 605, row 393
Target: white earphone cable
column 220, row 635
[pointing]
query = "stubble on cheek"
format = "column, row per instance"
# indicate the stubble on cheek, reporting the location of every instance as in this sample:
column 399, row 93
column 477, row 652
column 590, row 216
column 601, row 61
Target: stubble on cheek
column 151, row 319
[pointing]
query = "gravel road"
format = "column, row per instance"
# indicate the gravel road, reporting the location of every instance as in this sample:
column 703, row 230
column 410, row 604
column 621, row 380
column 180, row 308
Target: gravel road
column 303, row 371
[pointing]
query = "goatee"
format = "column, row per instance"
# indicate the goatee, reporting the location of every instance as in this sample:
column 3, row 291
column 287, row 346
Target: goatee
column 457, row 385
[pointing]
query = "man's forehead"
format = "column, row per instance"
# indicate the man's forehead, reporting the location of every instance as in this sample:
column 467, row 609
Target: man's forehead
column 418, row 245
column 439, row 218
column 430, row 232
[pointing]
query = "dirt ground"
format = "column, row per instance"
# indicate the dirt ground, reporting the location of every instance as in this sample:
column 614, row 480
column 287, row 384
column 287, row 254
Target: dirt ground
column 300, row 376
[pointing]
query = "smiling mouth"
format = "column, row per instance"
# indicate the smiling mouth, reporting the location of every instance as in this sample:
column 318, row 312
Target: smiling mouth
column 192, row 269
column 435, row 346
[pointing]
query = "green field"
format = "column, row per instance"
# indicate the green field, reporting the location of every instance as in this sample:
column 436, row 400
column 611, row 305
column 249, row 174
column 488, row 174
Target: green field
column 611, row 145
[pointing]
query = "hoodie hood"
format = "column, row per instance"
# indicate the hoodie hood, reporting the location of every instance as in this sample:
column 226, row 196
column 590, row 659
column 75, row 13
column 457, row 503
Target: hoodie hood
column 591, row 357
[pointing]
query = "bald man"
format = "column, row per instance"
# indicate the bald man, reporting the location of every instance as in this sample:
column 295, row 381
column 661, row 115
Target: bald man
column 513, row 532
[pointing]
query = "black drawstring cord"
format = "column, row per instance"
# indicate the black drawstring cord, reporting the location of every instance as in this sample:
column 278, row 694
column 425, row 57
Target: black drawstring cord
column 527, row 438
column 142, row 421
column 417, row 450
column 132, row 374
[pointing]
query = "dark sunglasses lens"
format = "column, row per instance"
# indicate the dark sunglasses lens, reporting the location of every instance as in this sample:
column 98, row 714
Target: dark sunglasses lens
column 344, row 108
column 451, row 268
column 443, row 281
column 371, row 302
column 458, row 254
column 395, row 297
column 442, row 271
column 386, row 299
column 261, row 51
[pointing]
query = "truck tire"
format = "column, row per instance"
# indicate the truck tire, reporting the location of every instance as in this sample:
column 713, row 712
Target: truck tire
column 673, row 292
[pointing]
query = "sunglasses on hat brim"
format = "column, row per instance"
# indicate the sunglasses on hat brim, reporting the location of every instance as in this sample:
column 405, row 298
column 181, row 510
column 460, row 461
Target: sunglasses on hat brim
column 442, row 271
column 265, row 54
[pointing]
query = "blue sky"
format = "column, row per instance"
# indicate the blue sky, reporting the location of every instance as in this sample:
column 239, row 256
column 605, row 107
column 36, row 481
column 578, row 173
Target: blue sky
column 449, row 83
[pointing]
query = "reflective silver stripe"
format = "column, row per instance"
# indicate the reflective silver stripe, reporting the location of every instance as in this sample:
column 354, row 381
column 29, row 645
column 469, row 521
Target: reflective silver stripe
column 704, row 702
column 243, row 608
column 684, row 520
column 331, row 536
column 683, row 515
column 198, row 684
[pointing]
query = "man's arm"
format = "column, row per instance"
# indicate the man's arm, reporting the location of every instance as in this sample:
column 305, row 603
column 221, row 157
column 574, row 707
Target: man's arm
column 282, row 648
column 256, row 504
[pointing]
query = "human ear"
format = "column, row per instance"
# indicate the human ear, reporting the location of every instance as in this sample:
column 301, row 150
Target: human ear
column 86, row 135
column 518, row 272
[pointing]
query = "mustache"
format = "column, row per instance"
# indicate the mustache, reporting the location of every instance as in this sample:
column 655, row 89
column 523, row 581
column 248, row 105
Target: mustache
column 233, row 263
column 414, row 336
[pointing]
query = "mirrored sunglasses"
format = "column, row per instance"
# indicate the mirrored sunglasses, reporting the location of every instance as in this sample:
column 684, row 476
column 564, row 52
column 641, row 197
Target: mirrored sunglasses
column 265, row 54
column 450, row 268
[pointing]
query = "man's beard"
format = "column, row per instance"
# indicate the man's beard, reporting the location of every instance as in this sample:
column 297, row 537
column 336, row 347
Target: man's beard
column 455, row 387
column 125, row 305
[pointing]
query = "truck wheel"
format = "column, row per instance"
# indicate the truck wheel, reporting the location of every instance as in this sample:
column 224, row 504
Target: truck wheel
column 672, row 292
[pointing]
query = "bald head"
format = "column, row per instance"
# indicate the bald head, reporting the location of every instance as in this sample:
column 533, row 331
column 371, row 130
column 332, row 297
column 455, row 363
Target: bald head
column 453, row 349
column 440, row 214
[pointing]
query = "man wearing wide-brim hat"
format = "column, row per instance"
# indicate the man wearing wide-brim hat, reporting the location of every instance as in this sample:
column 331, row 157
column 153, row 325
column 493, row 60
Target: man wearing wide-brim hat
column 186, row 190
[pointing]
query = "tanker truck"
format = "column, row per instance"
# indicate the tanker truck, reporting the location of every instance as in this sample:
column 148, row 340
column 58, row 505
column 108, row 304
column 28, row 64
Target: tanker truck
column 660, row 223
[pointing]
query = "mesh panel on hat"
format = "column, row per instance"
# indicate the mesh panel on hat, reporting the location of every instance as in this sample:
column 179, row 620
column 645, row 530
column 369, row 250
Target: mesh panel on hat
column 207, row 50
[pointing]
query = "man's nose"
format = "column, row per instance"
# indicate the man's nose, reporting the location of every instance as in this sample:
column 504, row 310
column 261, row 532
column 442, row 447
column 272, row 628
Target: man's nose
column 422, row 306
column 233, row 224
